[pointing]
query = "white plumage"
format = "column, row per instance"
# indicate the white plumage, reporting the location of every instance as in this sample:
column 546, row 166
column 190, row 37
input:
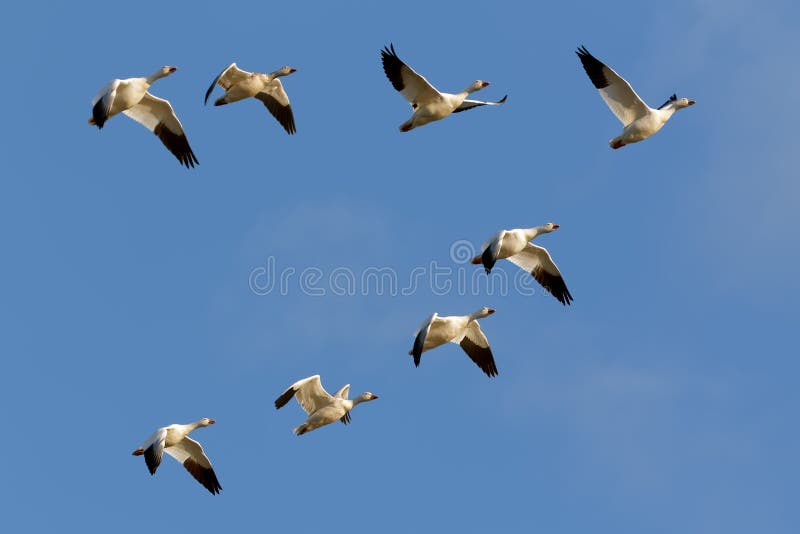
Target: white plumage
column 322, row 407
column 462, row 330
column 427, row 102
column 514, row 245
column 130, row 96
column 240, row 84
column 640, row 121
column 175, row 441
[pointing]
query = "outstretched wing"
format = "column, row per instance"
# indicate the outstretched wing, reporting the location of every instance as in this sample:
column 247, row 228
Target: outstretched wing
column 414, row 88
column 537, row 261
column 617, row 93
column 154, row 449
column 102, row 102
column 276, row 100
column 309, row 393
column 226, row 79
column 469, row 104
column 491, row 249
column 157, row 115
column 191, row 455
column 419, row 341
column 476, row 346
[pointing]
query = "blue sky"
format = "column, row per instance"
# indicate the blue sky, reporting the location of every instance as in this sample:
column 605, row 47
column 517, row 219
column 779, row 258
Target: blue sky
column 663, row 400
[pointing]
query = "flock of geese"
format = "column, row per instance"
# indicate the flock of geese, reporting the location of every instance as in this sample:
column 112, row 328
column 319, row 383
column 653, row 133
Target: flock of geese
column 131, row 97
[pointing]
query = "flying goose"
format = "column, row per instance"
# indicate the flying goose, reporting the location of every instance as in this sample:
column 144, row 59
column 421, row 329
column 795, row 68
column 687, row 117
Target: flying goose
column 514, row 246
column 321, row 407
column 240, row 84
column 427, row 102
column 175, row 441
column 639, row 120
column 130, row 96
column 463, row 330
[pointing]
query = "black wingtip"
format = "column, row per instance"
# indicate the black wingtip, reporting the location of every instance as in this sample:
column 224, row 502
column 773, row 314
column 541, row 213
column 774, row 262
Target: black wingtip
column 281, row 401
column 593, row 67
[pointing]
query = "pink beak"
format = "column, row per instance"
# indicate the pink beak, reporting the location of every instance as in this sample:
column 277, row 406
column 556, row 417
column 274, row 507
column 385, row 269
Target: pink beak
column 691, row 102
column 556, row 226
column 484, row 84
column 491, row 311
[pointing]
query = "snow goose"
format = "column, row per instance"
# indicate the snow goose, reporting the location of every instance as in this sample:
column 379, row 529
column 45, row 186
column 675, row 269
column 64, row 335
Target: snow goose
column 322, row 407
column 427, row 102
column 640, row 121
column 463, row 330
column 514, row 246
column 175, row 441
column 130, row 97
column 240, row 84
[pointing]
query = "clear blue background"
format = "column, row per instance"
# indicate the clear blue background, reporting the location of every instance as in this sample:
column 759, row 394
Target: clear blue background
column 664, row 400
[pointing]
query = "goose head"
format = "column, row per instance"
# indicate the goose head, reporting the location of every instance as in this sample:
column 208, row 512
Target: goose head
column 676, row 103
column 484, row 312
column 477, row 85
column 205, row 421
column 163, row 72
column 364, row 397
column 285, row 71
column 549, row 227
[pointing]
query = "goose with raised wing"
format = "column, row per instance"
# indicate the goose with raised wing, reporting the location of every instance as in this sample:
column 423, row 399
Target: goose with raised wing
column 427, row 102
column 322, row 407
column 131, row 97
column 175, row 441
column 462, row 330
column 240, row 84
column 640, row 121
column 514, row 246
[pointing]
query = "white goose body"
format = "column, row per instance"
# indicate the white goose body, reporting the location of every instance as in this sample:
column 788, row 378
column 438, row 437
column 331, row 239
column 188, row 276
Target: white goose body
column 175, row 441
column 639, row 120
column 514, row 245
column 463, row 330
column 131, row 97
column 428, row 103
column 240, row 84
column 322, row 407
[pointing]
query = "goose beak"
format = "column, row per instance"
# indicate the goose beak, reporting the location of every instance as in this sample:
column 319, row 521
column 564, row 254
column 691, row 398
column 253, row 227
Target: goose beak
column 292, row 70
column 491, row 311
column 138, row 452
column 484, row 84
column 173, row 69
column 375, row 396
column 691, row 102
column 556, row 226
column 211, row 421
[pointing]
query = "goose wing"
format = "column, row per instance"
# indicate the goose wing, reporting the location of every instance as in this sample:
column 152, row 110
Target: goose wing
column 419, row 341
column 617, row 93
column 157, row 115
column 102, row 102
column 153, row 449
column 277, row 102
column 226, row 79
column 414, row 88
column 469, row 104
column 191, row 455
column 475, row 344
column 491, row 249
column 537, row 261
column 309, row 393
